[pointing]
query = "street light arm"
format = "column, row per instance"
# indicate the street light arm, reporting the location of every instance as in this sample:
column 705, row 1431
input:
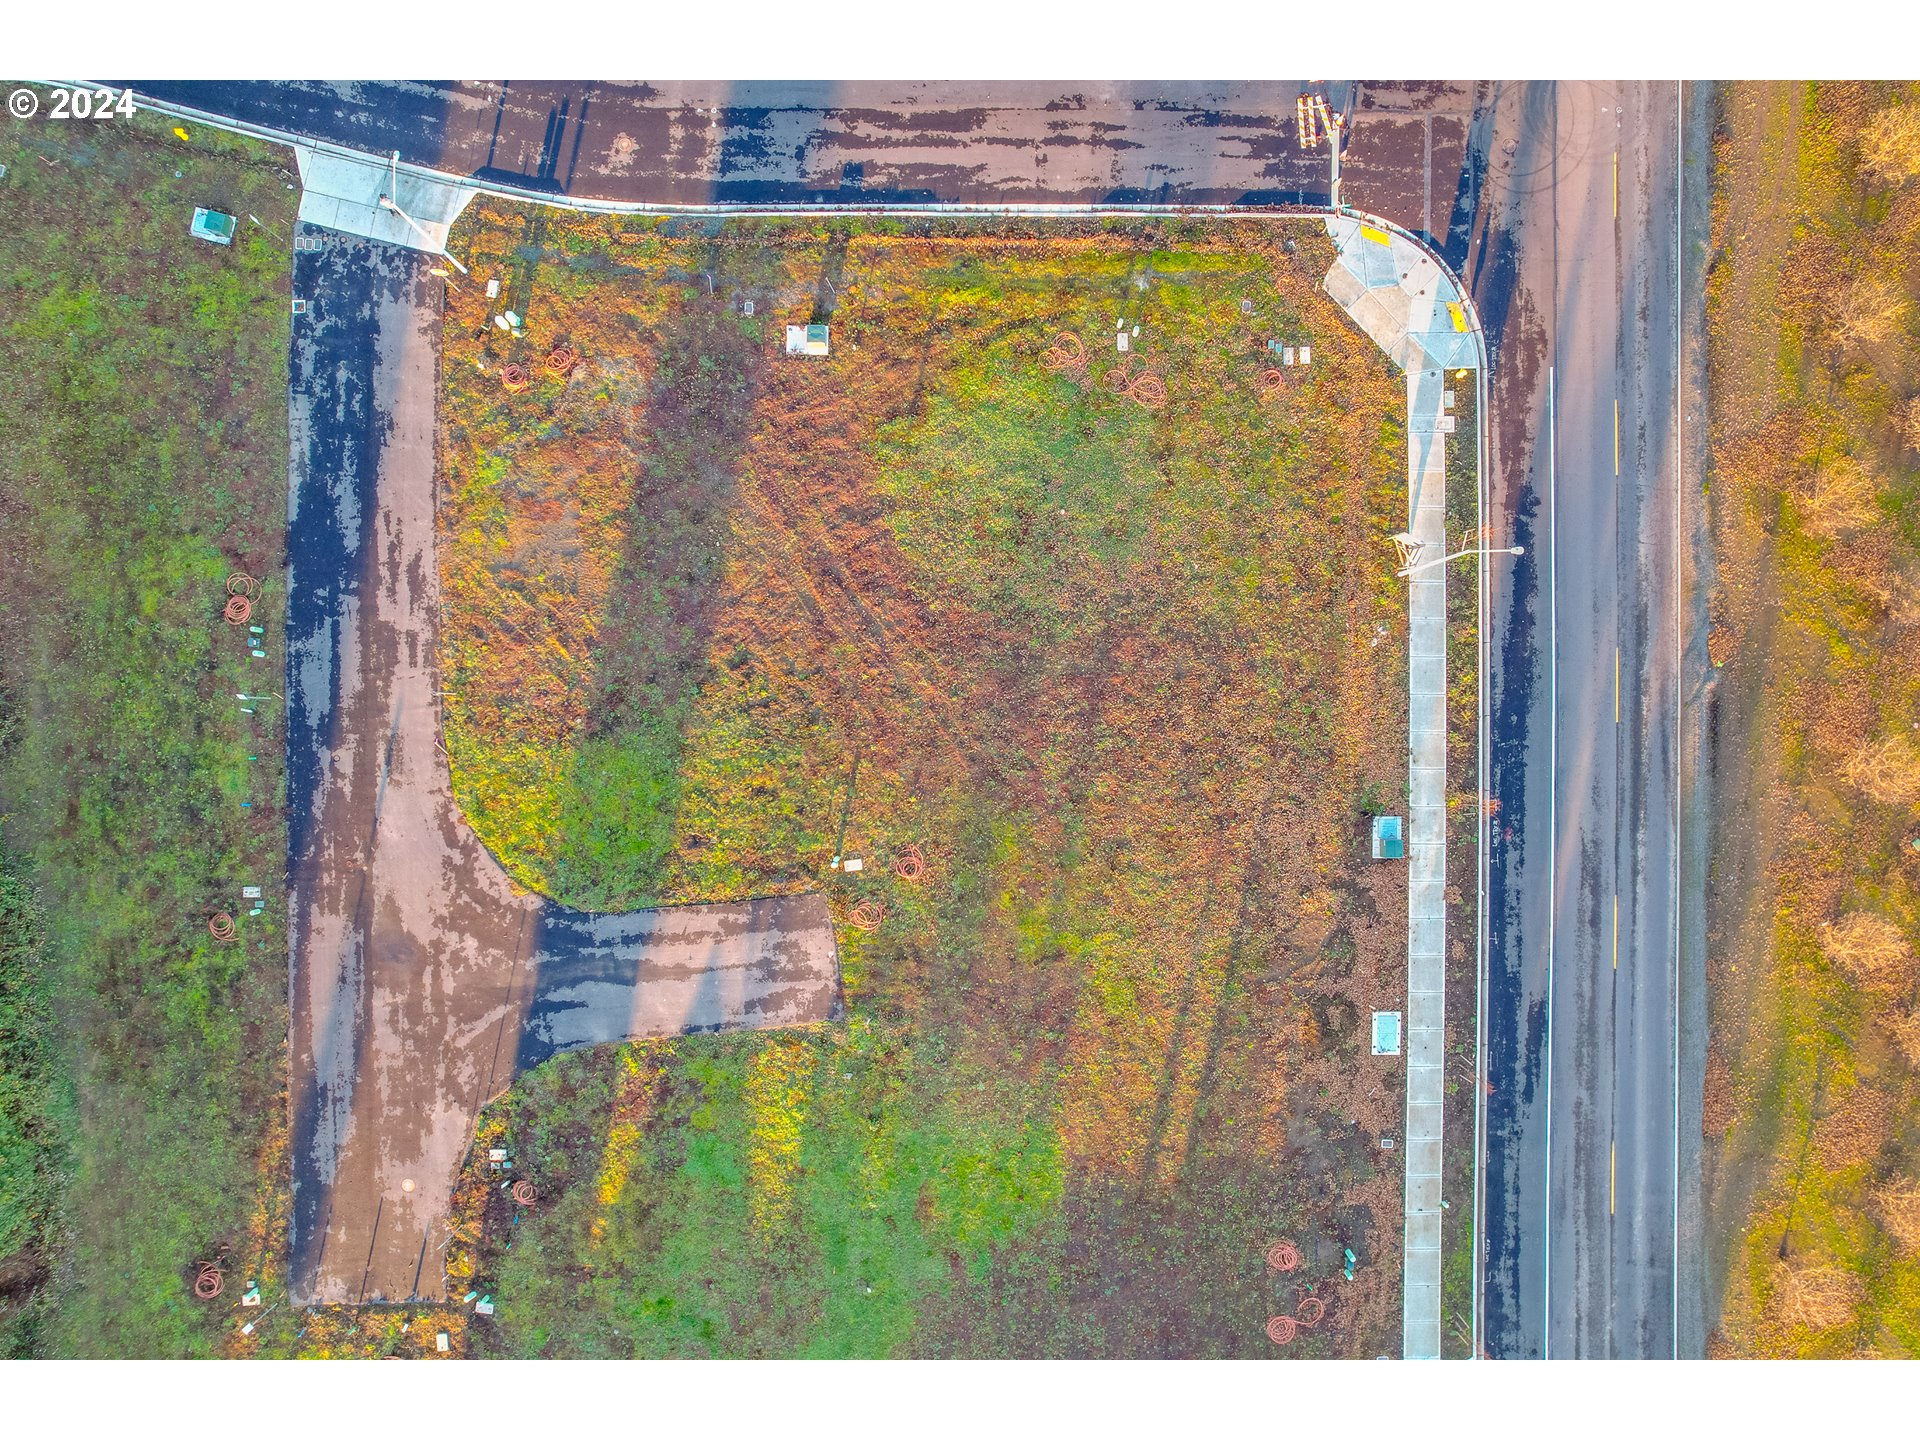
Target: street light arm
column 1406, row 570
column 386, row 203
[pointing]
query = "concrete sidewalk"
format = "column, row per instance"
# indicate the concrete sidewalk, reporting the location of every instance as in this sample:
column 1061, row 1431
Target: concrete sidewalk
column 1426, row 863
column 343, row 192
column 1410, row 307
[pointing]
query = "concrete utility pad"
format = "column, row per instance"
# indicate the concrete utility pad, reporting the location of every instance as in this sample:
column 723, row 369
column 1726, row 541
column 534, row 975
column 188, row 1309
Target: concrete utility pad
column 421, row 979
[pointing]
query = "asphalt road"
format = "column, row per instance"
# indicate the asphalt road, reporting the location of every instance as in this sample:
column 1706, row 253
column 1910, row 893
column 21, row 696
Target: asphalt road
column 893, row 142
column 1580, row 292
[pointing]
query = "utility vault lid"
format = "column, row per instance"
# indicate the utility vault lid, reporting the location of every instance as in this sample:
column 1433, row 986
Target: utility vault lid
column 1386, row 1032
column 1389, row 843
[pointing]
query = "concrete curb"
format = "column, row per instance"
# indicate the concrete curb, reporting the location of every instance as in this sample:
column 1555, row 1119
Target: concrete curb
column 1430, row 281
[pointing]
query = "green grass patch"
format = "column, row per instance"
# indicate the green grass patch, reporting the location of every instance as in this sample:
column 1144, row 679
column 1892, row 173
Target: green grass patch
column 144, row 449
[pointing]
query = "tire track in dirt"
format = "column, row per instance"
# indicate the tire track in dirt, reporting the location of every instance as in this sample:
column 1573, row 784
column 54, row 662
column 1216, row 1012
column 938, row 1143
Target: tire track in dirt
column 841, row 556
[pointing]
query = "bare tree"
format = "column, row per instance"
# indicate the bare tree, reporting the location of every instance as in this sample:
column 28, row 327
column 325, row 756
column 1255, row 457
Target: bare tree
column 1896, row 1205
column 1841, row 498
column 1872, row 310
column 1887, row 769
column 1905, row 1028
column 1821, row 1297
column 1890, row 145
column 1870, row 948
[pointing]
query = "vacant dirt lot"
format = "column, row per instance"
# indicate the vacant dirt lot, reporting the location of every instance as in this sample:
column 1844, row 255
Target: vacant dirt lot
column 1091, row 658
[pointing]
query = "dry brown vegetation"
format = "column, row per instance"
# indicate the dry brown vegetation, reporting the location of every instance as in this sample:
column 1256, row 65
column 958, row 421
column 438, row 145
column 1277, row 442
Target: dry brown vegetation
column 1871, row 949
column 1814, row 366
column 1820, row 1297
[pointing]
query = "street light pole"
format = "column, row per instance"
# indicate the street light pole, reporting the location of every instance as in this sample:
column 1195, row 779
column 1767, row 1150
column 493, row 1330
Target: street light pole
column 1336, row 123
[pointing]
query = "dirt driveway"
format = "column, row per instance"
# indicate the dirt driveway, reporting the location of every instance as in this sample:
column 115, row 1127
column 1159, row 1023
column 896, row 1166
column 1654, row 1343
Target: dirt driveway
column 421, row 978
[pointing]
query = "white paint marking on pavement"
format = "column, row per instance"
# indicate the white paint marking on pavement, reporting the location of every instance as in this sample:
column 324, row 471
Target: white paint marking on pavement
column 1679, row 213
column 1553, row 832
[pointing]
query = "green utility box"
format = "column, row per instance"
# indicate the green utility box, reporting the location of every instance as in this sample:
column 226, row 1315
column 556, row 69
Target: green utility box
column 1388, row 841
column 212, row 225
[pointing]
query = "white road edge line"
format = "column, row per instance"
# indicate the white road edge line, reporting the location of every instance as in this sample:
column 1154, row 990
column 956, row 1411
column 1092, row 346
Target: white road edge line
column 1553, row 834
column 1679, row 648
column 1482, row 501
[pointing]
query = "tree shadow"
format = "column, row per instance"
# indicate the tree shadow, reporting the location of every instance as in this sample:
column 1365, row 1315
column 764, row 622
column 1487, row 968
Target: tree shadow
column 666, row 593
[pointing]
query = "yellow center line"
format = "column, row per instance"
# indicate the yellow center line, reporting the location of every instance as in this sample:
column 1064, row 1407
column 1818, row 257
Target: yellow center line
column 1613, row 1158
